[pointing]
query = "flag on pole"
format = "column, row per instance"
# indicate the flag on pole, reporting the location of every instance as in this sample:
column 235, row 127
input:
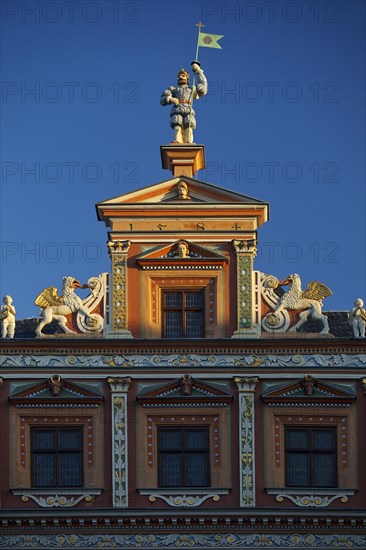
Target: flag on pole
column 209, row 40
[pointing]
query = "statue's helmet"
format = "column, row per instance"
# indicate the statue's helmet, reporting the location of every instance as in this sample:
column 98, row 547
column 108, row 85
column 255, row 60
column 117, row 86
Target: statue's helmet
column 186, row 73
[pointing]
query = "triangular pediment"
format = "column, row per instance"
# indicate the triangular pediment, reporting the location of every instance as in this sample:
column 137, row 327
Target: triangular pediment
column 185, row 391
column 180, row 252
column 168, row 191
column 55, row 391
column 307, row 388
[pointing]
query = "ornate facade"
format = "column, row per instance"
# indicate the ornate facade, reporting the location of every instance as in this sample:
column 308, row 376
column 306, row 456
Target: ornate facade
column 175, row 407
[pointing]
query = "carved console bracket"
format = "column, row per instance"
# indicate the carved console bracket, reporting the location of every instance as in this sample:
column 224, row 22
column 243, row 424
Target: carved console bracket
column 65, row 500
column 321, row 499
column 119, row 388
column 246, row 389
column 118, row 251
column 187, row 500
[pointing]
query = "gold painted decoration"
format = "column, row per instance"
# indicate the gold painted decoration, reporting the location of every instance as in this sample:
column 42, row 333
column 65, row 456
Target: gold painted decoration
column 316, row 291
column 49, row 297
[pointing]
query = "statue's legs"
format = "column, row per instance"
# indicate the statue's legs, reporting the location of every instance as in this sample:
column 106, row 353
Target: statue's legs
column 11, row 330
column 62, row 320
column 189, row 124
column 188, row 135
column 4, row 329
column 178, row 137
column 302, row 319
column 176, row 122
column 358, row 328
column 325, row 324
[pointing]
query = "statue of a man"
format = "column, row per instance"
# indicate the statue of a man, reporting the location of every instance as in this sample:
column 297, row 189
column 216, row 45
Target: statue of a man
column 357, row 317
column 182, row 115
column 7, row 312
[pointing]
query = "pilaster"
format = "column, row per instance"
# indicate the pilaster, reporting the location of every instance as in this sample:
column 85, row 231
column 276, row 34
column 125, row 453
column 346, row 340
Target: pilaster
column 118, row 297
column 119, row 388
column 247, row 323
column 246, row 389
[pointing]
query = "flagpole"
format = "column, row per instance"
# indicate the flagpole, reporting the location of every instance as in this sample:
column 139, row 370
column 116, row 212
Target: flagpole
column 199, row 25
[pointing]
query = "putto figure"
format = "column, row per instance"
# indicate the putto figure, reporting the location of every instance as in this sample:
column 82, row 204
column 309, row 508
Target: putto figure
column 182, row 115
column 8, row 318
column 357, row 317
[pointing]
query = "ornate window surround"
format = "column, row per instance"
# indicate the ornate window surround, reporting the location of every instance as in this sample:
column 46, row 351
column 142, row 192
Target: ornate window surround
column 327, row 407
column 154, row 285
column 163, row 407
column 37, row 407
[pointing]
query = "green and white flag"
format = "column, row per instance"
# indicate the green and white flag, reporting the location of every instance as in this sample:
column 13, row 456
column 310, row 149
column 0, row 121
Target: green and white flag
column 209, row 40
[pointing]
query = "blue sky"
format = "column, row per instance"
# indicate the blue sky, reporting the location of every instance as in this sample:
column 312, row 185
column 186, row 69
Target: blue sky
column 284, row 121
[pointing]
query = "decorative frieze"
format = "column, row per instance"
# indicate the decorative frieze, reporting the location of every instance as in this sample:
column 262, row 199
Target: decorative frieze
column 119, row 388
column 211, row 360
column 204, row 540
column 246, row 389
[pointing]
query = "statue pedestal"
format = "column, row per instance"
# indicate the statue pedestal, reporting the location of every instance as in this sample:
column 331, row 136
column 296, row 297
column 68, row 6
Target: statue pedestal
column 183, row 159
column 121, row 334
column 252, row 332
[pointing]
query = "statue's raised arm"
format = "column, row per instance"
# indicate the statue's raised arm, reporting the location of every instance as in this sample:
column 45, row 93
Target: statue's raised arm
column 182, row 115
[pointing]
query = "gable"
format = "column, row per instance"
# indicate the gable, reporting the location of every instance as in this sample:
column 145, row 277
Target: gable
column 55, row 392
column 183, row 392
column 168, row 191
column 170, row 256
column 307, row 391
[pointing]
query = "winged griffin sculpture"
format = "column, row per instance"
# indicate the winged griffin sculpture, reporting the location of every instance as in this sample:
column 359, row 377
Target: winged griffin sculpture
column 55, row 307
column 308, row 302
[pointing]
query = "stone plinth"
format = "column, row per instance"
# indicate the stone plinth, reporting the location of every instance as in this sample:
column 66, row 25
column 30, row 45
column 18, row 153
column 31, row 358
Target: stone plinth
column 183, row 159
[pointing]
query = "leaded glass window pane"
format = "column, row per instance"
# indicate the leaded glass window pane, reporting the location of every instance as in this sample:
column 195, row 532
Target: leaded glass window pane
column 196, row 439
column 193, row 324
column 44, row 440
column 298, row 470
column 173, row 299
column 197, row 474
column 323, row 440
column 70, row 439
column 324, row 468
column 170, row 439
column 173, row 324
column 70, row 470
column 193, row 299
column 298, row 439
column 44, row 470
column 171, row 470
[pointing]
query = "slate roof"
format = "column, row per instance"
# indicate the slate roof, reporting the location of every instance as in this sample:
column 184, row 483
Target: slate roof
column 338, row 324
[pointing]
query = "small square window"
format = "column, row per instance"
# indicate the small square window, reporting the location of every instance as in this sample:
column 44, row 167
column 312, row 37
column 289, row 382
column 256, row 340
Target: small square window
column 57, row 457
column 311, row 457
column 183, row 314
column 183, row 455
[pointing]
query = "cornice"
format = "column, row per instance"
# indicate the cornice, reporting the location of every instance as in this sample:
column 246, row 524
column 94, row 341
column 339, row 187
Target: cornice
column 114, row 346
